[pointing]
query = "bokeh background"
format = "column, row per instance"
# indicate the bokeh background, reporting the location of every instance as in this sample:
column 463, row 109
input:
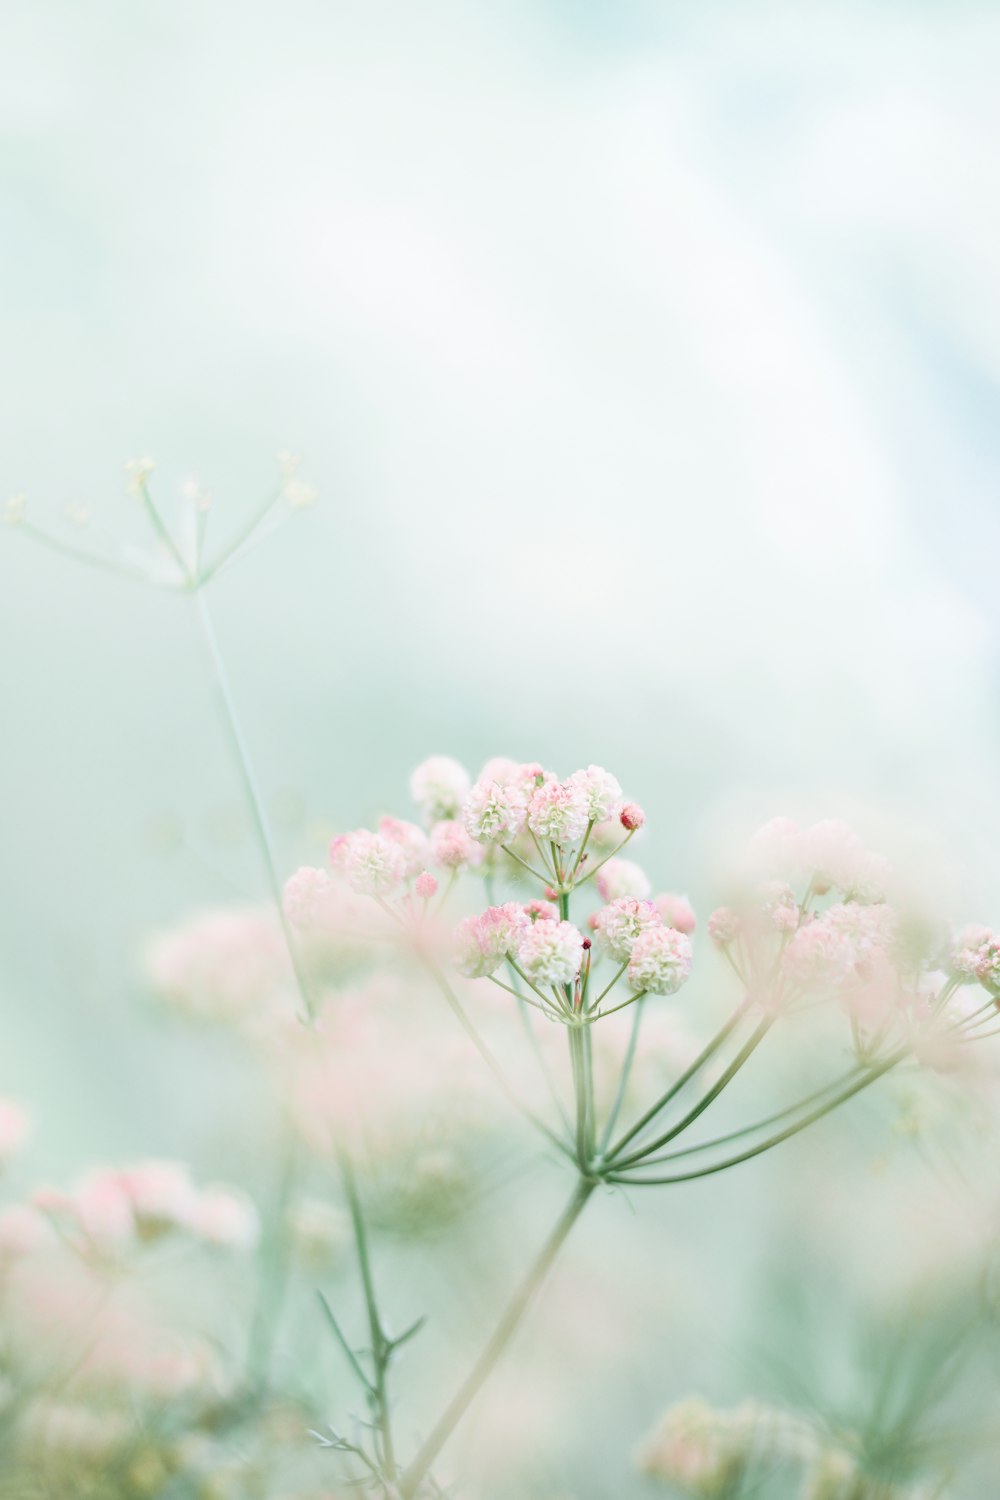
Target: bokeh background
column 645, row 357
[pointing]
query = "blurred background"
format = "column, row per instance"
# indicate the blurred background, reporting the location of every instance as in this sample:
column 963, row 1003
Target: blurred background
column 644, row 356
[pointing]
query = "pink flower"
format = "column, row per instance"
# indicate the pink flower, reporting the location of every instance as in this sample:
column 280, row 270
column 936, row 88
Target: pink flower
column 631, row 817
column 723, row 926
column 676, row 912
column 622, row 877
column 425, row 885
column 619, row 924
column 482, row 943
column 541, row 911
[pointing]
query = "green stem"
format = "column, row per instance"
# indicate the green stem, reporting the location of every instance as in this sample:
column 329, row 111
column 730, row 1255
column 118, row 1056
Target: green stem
column 511, row 1318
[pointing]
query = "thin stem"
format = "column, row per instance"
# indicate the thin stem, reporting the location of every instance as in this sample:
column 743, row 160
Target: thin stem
column 580, row 1095
column 524, row 999
column 490, row 1060
column 274, row 1274
column 79, row 554
column 511, row 1318
column 707, row 1098
column 349, row 1353
column 599, row 1015
column 163, row 532
column 623, row 1078
column 533, row 873
column 720, row 1038
column 248, row 780
column 580, row 852
column 243, row 537
column 379, row 1342
column 737, row 1135
column 608, row 988
column 546, row 1071
column 601, row 862
column 774, row 1140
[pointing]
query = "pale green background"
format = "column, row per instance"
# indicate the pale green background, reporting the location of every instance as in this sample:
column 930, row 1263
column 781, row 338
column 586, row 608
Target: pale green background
column 645, row 357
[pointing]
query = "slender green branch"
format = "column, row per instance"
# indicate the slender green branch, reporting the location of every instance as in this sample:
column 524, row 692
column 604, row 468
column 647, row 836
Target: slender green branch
column 774, row 1140
column 509, row 1321
column 524, row 865
column 601, row 862
column 738, row 1135
column 255, row 805
column 623, row 1078
column 380, row 1346
column 165, row 535
column 93, row 559
column 706, row 1054
column 489, row 1059
column 744, row 1054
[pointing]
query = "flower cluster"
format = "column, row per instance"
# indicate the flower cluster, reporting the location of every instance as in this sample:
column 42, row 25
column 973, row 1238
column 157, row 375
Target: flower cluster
column 112, row 1210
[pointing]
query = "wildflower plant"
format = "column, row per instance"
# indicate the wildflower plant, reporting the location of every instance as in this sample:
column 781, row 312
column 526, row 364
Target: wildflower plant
column 522, row 884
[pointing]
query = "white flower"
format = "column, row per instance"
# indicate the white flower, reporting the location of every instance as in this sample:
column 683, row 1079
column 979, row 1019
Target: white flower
column 559, row 812
column 660, row 961
column 495, row 811
column 602, row 791
column 618, row 925
column 549, row 952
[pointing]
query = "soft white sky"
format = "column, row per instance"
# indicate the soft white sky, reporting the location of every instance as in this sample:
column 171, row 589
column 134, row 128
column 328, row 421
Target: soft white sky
column 646, row 358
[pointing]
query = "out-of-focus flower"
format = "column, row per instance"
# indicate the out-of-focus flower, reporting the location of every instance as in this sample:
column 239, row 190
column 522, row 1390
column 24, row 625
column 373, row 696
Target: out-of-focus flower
column 224, row 965
column 723, row 926
column 372, row 864
column 14, row 1130
column 439, row 786
column 549, row 952
column 225, row 1219
column 622, row 877
column 425, row 885
column 620, row 923
column 306, row 894
column 452, row 846
column 676, row 911
column 320, row 1233
column 411, row 840
column 660, row 960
